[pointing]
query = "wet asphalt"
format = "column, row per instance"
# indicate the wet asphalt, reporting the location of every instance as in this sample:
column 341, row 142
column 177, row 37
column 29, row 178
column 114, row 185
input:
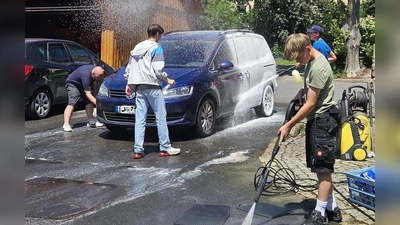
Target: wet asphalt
column 88, row 177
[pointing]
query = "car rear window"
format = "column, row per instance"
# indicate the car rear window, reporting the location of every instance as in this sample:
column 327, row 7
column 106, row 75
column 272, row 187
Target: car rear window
column 40, row 50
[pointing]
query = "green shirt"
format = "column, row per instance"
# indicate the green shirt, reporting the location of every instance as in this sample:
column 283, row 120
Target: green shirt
column 318, row 74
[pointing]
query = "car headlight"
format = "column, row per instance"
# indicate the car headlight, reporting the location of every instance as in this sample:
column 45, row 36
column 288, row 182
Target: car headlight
column 103, row 90
column 177, row 93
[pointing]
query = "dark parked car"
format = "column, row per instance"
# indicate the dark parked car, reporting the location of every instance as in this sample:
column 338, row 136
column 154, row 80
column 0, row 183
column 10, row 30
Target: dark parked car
column 215, row 71
column 48, row 62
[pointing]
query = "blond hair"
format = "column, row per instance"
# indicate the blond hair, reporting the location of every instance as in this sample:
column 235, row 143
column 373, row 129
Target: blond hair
column 295, row 44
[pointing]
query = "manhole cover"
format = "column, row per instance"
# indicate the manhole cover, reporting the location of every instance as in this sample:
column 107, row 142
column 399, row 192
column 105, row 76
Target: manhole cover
column 61, row 198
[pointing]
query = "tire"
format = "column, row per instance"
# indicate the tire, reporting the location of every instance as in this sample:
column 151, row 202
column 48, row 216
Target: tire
column 267, row 103
column 115, row 128
column 205, row 120
column 40, row 105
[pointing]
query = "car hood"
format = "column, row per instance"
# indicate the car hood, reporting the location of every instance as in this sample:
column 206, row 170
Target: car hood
column 182, row 76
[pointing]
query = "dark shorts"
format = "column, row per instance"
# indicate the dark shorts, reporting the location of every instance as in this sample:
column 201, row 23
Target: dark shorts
column 75, row 94
column 321, row 141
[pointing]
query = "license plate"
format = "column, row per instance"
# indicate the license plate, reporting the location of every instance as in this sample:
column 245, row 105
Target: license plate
column 125, row 109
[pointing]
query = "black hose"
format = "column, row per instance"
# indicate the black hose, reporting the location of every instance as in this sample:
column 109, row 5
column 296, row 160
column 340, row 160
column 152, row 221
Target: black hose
column 283, row 180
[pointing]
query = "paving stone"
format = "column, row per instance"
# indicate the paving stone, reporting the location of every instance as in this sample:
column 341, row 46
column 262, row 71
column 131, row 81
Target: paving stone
column 292, row 155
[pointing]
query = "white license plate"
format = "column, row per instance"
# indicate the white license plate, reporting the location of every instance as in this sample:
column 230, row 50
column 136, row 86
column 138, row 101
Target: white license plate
column 125, row 109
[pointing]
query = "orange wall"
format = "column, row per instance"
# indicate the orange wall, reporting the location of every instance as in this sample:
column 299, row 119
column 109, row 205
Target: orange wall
column 121, row 33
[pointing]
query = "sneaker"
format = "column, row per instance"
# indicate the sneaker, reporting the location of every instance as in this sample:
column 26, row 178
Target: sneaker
column 91, row 124
column 334, row 215
column 98, row 124
column 315, row 218
column 169, row 152
column 67, row 128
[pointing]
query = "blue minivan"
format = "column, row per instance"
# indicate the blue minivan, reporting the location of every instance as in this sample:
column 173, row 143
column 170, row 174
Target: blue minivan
column 216, row 74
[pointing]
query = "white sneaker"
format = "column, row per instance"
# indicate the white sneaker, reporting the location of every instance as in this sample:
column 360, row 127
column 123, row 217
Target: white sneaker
column 173, row 151
column 98, row 124
column 67, row 128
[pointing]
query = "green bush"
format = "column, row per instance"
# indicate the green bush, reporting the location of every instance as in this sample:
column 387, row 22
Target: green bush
column 367, row 30
column 277, row 50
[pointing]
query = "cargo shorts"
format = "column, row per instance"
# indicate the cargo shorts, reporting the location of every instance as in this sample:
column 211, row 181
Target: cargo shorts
column 321, row 140
column 75, row 94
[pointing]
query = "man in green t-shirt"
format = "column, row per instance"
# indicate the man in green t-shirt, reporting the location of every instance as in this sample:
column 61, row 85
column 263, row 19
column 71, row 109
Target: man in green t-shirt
column 322, row 123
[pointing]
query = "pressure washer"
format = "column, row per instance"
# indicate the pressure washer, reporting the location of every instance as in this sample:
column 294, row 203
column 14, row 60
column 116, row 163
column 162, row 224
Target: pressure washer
column 354, row 136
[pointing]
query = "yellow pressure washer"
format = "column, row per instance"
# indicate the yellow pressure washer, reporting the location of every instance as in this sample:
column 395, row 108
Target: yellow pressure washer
column 354, row 136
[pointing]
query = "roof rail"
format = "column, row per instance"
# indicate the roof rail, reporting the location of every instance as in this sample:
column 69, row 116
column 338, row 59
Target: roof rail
column 174, row 31
column 236, row 30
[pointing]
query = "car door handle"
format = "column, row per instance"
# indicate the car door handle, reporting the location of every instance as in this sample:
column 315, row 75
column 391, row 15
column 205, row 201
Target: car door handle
column 268, row 65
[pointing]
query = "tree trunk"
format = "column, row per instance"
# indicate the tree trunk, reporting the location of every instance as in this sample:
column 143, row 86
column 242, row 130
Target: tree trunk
column 353, row 39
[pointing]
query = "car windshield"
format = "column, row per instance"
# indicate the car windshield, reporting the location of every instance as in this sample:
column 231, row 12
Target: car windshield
column 187, row 53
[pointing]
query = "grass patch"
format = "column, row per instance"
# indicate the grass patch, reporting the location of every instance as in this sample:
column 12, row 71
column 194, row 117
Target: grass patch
column 284, row 62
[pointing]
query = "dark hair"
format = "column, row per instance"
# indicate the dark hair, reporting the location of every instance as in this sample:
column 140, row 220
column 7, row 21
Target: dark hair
column 153, row 29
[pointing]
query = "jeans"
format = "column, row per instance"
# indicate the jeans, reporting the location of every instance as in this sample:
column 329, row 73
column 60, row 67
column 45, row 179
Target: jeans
column 155, row 99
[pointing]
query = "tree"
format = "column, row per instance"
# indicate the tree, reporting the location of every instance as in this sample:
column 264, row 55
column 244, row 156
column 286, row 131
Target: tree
column 220, row 15
column 352, row 34
column 277, row 19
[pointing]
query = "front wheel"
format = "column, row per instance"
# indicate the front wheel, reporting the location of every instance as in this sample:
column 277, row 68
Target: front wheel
column 267, row 103
column 205, row 120
column 40, row 105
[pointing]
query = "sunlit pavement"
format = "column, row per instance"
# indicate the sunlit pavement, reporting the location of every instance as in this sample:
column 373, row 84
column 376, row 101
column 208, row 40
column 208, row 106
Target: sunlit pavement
column 292, row 156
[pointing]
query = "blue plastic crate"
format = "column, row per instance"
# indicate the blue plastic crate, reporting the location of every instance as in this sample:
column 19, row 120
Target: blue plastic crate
column 361, row 190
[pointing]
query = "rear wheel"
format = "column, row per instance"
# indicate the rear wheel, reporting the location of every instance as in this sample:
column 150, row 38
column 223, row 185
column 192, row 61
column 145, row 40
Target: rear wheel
column 267, row 103
column 40, row 105
column 205, row 121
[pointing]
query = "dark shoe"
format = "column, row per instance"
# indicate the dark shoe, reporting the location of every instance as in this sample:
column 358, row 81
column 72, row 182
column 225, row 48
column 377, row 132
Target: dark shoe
column 163, row 154
column 91, row 124
column 137, row 156
column 334, row 215
column 315, row 218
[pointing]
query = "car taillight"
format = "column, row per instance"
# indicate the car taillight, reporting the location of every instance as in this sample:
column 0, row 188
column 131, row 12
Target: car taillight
column 28, row 69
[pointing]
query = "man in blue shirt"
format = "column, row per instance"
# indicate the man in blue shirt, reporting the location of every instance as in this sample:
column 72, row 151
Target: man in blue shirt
column 79, row 85
column 315, row 33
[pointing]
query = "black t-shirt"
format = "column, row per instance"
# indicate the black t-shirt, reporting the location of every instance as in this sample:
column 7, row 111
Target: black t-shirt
column 82, row 77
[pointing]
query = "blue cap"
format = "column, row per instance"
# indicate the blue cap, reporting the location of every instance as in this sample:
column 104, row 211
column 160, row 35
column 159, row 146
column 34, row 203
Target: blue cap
column 315, row 28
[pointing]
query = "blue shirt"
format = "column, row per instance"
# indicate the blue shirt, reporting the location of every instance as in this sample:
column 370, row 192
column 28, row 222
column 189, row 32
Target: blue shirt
column 322, row 47
column 82, row 77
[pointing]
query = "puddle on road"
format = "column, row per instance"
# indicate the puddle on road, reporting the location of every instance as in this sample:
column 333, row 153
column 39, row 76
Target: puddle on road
column 54, row 198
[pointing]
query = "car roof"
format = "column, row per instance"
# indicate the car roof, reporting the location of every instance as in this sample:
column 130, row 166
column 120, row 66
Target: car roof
column 203, row 34
column 32, row 40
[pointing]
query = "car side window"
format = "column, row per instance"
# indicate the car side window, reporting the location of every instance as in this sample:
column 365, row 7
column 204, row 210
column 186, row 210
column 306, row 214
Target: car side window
column 245, row 49
column 262, row 48
column 226, row 52
column 58, row 53
column 79, row 55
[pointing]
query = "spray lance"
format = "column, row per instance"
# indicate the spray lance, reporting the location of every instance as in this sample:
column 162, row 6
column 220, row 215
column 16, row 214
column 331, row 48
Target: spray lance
column 291, row 110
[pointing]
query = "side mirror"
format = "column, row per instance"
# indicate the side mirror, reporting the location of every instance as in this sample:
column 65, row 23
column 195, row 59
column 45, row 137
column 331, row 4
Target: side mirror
column 225, row 65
